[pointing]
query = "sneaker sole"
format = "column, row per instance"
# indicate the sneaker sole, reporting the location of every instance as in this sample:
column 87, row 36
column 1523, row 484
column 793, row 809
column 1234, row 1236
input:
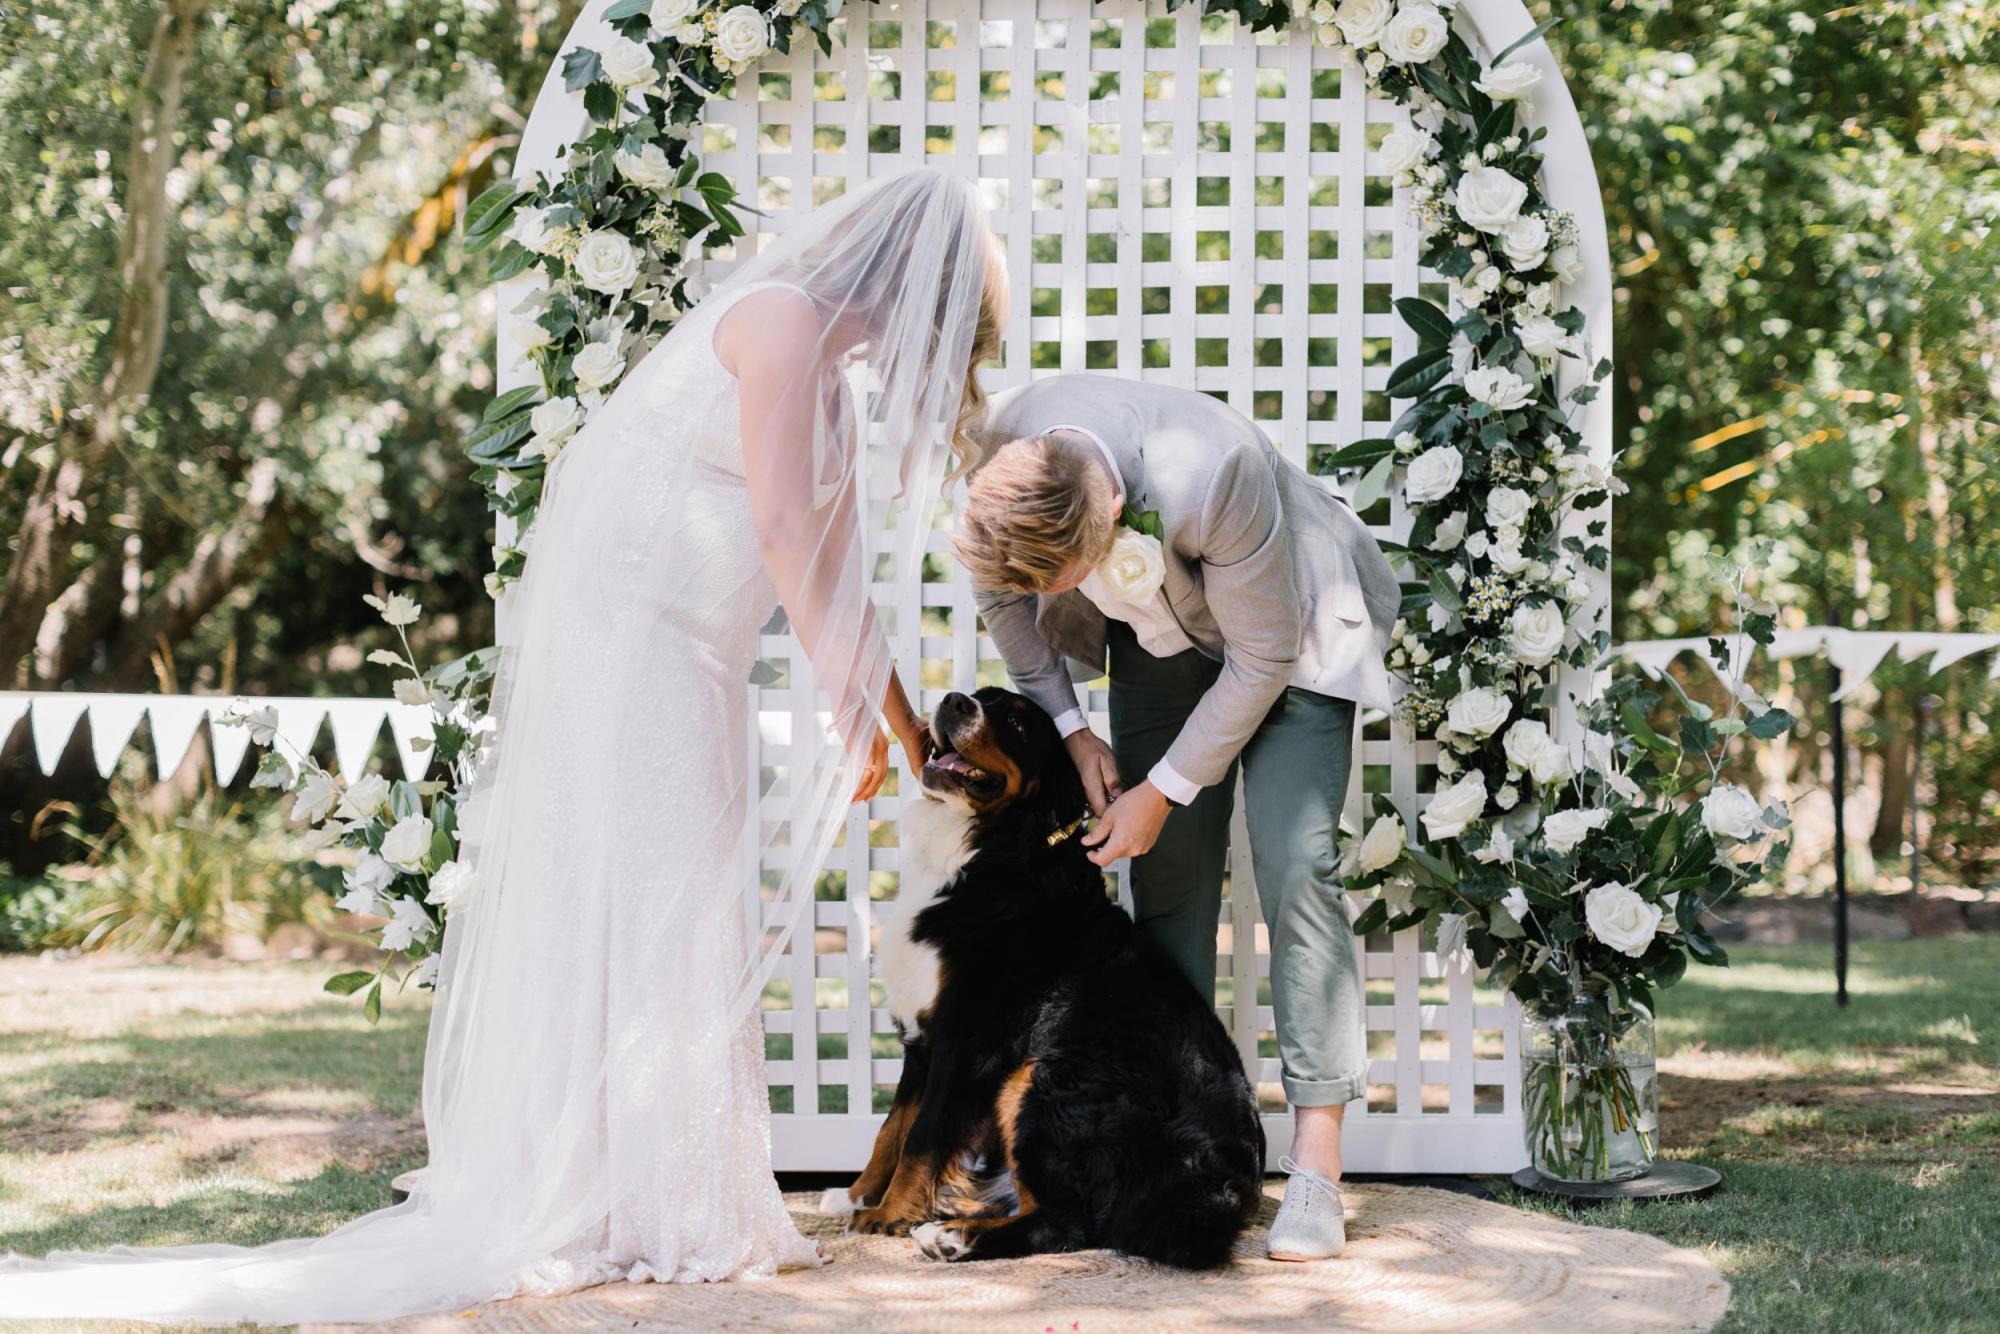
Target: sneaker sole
column 1299, row 1259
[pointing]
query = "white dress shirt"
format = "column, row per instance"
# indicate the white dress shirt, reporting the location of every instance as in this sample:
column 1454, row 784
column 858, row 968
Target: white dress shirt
column 1153, row 625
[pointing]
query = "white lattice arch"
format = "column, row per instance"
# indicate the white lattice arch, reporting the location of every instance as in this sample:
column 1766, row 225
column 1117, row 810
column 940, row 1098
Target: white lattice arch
column 1115, row 144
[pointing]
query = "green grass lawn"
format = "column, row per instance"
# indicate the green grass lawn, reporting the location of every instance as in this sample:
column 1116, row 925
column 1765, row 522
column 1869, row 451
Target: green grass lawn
column 1860, row 1148
column 154, row 1105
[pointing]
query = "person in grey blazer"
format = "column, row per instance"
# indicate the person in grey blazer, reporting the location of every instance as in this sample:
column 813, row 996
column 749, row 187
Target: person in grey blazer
column 1243, row 611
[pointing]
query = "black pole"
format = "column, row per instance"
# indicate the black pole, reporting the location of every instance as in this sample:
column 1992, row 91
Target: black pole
column 1839, row 734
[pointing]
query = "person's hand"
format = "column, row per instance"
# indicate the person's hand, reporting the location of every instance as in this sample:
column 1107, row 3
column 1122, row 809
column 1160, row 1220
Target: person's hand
column 874, row 767
column 1097, row 766
column 1130, row 827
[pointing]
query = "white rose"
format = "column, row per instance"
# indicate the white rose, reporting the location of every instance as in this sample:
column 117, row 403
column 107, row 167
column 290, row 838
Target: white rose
column 554, row 422
column 1432, row 474
column 1567, row 262
column 1733, row 814
column 1565, row 829
column 1383, row 844
column 407, row 842
column 1525, row 242
column 1415, row 35
column 1537, row 634
column 597, row 365
column 1499, row 388
column 313, row 797
column 648, row 168
column 1450, row 531
column 1456, row 807
column 606, row 262
column 1135, row 568
column 364, row 796
column 1507, row 556
column 1541, row 337
column 1620, row 918
column 451, row 886
column 667, row 15
column 1526, row 739
column 1479, row 712
column 370, row 875
column 530, row 229
column 743, row 34
column 1404, row 147
column 1361, row 21
column 1489, row 198
column 528, row 335
column 628, row 64
column 1509, row 82
column 1508, row 506
column 410, row 690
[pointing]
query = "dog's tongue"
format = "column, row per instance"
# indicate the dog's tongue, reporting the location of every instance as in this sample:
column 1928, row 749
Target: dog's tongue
column 951, row 760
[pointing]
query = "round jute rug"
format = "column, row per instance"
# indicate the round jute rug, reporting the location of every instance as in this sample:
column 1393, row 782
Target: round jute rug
column 1416, row 1259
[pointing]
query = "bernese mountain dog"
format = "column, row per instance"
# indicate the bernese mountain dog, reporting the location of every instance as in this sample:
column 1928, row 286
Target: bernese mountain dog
column 1064, row 1086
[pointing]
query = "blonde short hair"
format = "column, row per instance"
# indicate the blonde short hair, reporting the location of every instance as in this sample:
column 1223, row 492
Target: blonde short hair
column 1033, row 510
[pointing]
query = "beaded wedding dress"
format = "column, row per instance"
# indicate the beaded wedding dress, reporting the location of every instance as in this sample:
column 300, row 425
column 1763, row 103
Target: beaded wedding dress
column 594, row 1092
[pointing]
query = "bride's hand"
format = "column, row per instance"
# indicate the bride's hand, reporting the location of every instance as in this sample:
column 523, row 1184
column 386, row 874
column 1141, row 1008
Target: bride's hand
column 874, row 768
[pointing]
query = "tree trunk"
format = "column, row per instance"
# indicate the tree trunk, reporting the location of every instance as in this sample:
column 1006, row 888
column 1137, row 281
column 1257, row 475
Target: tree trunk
column 221, row 563
column 61, row 502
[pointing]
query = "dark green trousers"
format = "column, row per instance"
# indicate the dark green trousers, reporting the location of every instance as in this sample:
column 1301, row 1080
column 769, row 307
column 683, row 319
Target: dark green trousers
column 1295, row 771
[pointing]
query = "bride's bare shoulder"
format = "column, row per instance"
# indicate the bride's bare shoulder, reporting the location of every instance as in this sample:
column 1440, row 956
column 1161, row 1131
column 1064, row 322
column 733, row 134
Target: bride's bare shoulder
column 767, row 323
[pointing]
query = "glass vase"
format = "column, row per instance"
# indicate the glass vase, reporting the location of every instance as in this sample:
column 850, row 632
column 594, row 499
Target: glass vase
column 1590, row 1098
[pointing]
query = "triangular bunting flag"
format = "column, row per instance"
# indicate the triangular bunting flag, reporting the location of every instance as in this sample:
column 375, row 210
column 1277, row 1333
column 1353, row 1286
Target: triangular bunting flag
column 12, row 707
column 51, row 719
column 407, row 723
column 298, row 725
column 174, row 719
column 357, row 726
column 112, row 718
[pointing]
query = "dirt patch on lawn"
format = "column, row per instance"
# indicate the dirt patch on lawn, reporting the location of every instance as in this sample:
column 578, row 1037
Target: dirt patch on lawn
column 1706, row 1097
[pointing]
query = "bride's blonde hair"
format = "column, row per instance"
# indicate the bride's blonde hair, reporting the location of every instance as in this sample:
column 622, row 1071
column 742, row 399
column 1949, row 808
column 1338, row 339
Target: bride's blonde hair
column 966, row 448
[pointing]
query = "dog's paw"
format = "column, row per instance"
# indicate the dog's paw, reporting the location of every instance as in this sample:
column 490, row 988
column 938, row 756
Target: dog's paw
column 875, row 1223
column 837, row 1201
column 939, row 1242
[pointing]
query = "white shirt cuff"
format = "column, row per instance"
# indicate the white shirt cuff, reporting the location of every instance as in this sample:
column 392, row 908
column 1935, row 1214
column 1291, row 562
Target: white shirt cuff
column 1071, row 723
column 1176, row 789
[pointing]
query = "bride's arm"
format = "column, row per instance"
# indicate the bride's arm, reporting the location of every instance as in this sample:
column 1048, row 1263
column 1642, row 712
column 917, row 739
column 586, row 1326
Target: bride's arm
column 812, row 551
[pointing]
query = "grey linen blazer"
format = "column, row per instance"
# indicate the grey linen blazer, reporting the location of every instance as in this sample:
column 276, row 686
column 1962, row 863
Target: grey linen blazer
column 1267, row 571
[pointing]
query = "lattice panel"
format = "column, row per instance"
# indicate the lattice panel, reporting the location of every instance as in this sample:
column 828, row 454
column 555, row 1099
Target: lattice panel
column 1180, row 201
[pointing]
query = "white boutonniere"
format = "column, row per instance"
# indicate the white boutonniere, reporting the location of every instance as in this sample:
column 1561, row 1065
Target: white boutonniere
column 1137, row 564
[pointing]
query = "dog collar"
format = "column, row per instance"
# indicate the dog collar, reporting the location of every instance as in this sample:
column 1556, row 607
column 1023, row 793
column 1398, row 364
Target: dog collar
column 1069, row 830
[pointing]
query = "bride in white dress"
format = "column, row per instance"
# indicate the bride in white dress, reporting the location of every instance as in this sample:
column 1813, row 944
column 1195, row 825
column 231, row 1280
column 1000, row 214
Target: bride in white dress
column 594, row 1086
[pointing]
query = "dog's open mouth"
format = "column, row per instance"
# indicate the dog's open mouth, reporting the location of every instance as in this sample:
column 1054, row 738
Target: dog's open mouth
column 951, row 762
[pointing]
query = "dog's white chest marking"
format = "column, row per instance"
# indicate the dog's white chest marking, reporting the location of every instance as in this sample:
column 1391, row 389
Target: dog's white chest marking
column 936, row 844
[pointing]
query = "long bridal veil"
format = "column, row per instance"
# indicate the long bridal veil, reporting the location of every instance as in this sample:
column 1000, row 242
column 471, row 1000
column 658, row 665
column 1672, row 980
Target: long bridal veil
column 591, row 1088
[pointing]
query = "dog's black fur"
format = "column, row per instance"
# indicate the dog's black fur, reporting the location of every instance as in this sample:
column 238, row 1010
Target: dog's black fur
column 1062, row 1044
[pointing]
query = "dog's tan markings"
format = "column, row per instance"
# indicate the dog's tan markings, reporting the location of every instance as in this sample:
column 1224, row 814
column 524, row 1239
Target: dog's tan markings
column 906, row 1203
column 875, row 1178
column 979, row 748
column 1007, row 1115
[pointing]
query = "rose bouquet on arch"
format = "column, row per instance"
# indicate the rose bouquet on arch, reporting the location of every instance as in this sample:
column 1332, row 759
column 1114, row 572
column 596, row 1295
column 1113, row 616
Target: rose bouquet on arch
column 1582, row 873
column 402, row 837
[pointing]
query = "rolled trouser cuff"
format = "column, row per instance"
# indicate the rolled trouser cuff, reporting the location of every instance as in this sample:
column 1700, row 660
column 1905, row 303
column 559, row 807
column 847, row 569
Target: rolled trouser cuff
column 1325, row 1092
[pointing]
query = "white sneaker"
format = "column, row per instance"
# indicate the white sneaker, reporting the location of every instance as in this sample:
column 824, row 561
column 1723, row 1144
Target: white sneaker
column 1311, row 1223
